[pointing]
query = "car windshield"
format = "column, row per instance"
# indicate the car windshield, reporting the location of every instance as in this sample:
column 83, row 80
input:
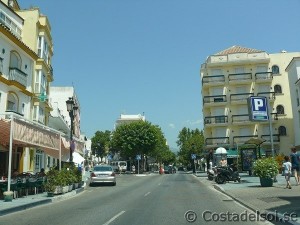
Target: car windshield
column 122, row 164
column 102, row 168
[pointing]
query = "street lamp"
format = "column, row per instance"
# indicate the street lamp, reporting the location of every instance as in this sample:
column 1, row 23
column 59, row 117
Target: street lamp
column 71, row 108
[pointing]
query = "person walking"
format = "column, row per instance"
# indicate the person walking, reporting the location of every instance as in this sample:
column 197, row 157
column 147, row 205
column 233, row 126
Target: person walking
column 295, row 165
column 287, row 167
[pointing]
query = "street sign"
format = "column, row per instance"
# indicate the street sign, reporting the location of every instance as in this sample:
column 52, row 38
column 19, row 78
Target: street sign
column 138, row 157
column 193, row 156
column 109, row 157
column 258, row 108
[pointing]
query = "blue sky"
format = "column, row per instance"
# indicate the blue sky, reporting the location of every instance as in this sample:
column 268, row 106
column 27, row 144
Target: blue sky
column 144, row 56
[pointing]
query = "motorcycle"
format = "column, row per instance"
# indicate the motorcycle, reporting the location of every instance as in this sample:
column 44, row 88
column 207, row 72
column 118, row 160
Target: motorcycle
column 211, row 173
column 227, row 173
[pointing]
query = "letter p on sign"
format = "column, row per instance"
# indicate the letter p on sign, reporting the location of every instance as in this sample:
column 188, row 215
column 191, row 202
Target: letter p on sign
column 258, row 103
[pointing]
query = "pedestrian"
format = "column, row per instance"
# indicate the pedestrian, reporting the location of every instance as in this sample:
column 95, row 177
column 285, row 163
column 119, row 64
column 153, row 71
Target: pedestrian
column 119, row 168
column 223, row 162
column 287, row 171
column 295, row 165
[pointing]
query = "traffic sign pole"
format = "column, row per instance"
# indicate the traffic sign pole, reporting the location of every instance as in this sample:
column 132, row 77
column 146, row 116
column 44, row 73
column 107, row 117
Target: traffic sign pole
column 271, row 128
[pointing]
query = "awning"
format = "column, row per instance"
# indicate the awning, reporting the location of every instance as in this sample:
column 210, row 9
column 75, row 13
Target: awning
column 232, row 153
column 255, row 141
column 77, row 158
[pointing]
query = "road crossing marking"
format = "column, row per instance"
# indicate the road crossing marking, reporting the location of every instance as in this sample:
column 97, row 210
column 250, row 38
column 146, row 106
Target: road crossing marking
column 147, row 194
column 113, row 218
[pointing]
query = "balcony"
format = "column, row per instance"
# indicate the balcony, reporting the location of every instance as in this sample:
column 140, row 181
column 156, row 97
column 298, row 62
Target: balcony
column 213, row 80
column 263, row 77
column 267, row 137
column 217, row 141
column 215, row 120
column 215, row 99
column 242, row 118
column 240, row 98
column 18, row 76
column 238, row 78
column 243, row 139
column 1, row 66
column 270, row 95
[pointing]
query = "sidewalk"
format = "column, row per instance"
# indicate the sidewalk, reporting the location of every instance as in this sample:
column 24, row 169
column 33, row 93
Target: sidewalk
column 271, row 200
column 30, row 201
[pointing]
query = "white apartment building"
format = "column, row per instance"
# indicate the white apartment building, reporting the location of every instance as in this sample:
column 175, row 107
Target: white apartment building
column 229, row 78
column 293, row 70
column 129, row 118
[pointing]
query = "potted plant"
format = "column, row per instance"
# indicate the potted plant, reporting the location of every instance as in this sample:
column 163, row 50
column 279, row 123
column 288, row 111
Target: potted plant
column 50, row 187
column 266, row 169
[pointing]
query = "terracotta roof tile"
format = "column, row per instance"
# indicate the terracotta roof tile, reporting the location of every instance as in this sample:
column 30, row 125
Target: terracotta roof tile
column 238, row 49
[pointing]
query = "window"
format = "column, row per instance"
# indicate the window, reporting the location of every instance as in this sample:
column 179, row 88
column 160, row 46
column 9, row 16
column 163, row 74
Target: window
column 38, row 114
column 23, row 108
column 40, row 82
column 11, row 103
column 275, row 69
column 43, row 49
column 282, row 131
column 15, row 60
column 280, row 110
column 277, row 89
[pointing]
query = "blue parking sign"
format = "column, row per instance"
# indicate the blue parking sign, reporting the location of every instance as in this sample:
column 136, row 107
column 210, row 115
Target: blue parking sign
column 138, row 157
column 258, row 108
column 193, row 156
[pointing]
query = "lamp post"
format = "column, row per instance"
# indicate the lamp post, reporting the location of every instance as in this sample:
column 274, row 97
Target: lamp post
column 71, row 108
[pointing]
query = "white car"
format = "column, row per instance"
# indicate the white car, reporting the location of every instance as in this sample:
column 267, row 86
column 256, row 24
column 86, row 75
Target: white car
column 103, row 174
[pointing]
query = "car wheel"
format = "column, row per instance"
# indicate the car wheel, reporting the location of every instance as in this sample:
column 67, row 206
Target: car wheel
column 115, row 183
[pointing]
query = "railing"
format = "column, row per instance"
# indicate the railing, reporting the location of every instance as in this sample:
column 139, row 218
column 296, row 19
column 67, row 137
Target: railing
column 215, row 78
column 243, row 139
column 267, row 137
column 240, row 118
column 1, row 65
column 12, row 112
column 217, row 141
column 239, row 76
column 215, row 119
column 270, row 94
column 264, row 76
column 17, row 75
column 240, row 97
column 215, row 98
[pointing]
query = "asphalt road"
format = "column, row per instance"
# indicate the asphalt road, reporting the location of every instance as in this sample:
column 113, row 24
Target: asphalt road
column 154, row 199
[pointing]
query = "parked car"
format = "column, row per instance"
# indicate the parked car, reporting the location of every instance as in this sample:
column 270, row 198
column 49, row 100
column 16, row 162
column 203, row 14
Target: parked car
column 103, row 174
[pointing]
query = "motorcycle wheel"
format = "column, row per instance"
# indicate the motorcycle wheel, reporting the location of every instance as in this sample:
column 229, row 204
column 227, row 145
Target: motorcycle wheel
column 210, row 177
column 220, row 179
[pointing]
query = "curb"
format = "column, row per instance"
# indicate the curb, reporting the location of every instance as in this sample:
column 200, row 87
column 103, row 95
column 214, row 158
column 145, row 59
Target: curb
column 278, row 217
column 24, row 206
column 47, row 200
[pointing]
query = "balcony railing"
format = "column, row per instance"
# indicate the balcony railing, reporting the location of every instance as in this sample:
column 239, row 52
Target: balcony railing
column 17, row 75
column 267, row 137
column 215, row 78
column 1, row 65
column 217, row 141
column 215, row 119
column 214, row 98
column 240, row 97
column 264, row 76
column 240, row 118
column 269, row 95
column 239, row 76
column 243, row 139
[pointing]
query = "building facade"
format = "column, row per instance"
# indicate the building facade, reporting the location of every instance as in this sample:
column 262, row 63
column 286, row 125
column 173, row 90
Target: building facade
column 293, row 70
column 229, row 78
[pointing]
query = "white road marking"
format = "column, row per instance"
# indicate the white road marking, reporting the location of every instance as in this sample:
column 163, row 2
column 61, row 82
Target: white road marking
column 113, row 218
column 159, row 184
column 147, row 194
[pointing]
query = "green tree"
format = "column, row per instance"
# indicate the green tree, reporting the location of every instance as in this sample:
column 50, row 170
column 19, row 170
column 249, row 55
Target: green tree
column 189, row 142
column 140, row 137
column 101, row 143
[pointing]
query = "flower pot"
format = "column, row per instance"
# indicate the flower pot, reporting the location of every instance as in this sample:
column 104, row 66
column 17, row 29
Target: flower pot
column 75, row 186
column 70, row 187
column 266, row 181
column 8, row 196
column 58, row 190
column 65, row 189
